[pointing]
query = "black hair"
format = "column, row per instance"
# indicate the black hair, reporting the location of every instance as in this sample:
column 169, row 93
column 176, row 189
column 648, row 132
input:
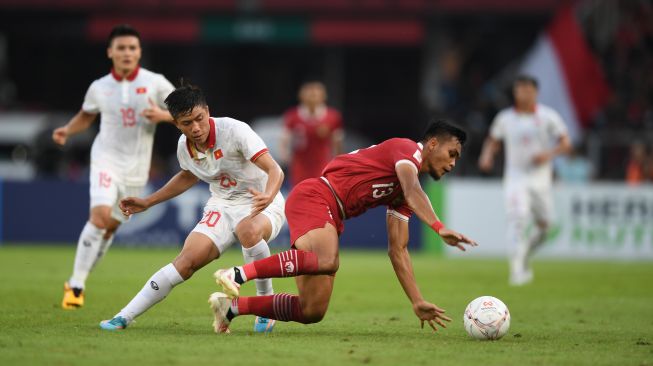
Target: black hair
column 523, row 78
column 183, row 99
column 123, row 30
column 442, row 128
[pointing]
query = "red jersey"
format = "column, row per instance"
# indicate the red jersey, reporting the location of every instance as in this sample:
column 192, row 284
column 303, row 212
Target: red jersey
column 367, row 178
column 312, row 138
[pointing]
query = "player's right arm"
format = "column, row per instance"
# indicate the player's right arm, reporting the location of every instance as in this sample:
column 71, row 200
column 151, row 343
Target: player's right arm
column 420, row 204
column 490, row 148
column 177, row 185
column 492, row 143
column 80, row 122
column 403, row 267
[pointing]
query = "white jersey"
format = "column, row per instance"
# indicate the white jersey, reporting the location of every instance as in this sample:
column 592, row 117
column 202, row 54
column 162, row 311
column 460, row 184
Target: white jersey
column 227, row 165
column 525, row 135
column 124, row 143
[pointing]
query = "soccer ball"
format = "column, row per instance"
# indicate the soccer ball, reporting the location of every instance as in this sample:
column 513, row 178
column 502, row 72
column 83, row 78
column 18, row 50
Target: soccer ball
column 486, row 317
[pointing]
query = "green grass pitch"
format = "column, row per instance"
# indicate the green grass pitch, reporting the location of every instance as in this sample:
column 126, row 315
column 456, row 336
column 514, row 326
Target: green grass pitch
column 575, row 313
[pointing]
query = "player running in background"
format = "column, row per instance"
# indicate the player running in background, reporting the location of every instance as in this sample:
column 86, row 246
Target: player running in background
column 533, row 134
column 245, row 203
column 129, row 100
column 384, row 174
column 312, row 134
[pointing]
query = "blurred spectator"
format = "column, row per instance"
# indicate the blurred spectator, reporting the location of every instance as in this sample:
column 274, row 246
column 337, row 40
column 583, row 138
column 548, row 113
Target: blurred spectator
column 313, row 133
column 635, row 168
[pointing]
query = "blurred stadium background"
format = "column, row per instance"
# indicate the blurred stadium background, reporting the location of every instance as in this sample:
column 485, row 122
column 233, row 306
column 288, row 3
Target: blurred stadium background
column 388, row 66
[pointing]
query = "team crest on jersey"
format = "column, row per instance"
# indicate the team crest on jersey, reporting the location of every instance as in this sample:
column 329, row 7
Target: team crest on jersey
column 141, row 90
column 217, row 154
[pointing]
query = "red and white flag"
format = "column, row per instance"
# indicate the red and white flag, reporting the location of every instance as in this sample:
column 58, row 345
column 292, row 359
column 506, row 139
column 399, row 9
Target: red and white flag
column 570, row 78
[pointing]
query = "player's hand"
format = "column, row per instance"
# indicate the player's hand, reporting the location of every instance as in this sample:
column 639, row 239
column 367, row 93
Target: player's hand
column 541, row 158
column 132, row 205
column 154, row 114
column 60, row 135
column 455, row 239
column 260, row 201
column 431, row 314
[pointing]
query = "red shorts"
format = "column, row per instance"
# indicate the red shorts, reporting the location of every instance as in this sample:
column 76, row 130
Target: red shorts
column 311, row 205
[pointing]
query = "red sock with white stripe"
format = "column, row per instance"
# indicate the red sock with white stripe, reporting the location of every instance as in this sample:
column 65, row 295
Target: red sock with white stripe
column 284, row 307
column 285, row 264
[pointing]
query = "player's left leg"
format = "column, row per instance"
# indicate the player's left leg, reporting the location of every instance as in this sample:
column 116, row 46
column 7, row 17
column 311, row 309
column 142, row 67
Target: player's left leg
column 88, row 251
column 315, row 283
column 542, row 209
column 254, row 234
column 198, row 251
column 517, row 217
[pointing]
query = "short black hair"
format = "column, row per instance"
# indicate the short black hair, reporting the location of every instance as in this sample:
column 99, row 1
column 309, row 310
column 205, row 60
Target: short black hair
column 524, row 78
column 443, row 128
column 123, row 30
column 183, row 99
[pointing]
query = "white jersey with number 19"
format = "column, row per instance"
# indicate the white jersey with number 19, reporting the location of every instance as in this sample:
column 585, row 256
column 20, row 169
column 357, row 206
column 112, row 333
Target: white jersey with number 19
column 124, row 144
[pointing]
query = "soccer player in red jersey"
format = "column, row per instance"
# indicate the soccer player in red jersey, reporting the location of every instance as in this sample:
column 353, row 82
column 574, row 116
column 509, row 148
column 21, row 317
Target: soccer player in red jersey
column 312, row 133
column 383, row 174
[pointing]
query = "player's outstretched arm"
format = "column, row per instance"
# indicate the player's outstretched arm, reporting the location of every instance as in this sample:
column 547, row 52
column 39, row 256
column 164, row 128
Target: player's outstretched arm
column 80, row 122
column 177, row 185
column 261, row 200
column 490, row 148
column 419, row 202
column 403, row 267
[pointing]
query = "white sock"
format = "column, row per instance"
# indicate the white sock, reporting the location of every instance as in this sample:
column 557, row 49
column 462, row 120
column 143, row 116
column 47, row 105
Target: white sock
column 519, row 245
column 104, row 248
column 88, row 247
column 155, row 290
column 259, row 251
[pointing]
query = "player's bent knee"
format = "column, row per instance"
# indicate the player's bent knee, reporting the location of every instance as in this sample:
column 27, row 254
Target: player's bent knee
column 184, row 266
column 248, row 235
column 328, row 265
column 313, row 315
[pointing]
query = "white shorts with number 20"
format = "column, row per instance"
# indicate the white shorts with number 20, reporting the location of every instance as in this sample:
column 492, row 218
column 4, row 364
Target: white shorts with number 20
column 221, row 218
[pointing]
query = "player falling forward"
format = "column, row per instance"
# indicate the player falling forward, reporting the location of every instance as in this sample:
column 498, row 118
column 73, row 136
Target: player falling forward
column 245, row 203
column 384, row 174
column 533, row 135
column 129, row 101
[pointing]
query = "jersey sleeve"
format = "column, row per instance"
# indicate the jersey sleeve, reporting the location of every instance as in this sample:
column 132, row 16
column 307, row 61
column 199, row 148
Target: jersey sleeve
column 557, row 125
column 402, row 211
column 404, row 151
column 497, row 129
column 182, row 154
column 248, row 142
column 164, row 88
column 91, row 103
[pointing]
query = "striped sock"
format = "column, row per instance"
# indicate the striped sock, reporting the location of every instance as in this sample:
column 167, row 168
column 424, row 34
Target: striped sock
column 283, row 307
column 285, row 264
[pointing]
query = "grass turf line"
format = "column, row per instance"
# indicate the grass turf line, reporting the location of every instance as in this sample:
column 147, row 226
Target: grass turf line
column 591, row 313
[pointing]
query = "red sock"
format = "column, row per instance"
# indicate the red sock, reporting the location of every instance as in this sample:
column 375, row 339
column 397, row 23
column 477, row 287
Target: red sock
column 285, row 264
column 284, row 307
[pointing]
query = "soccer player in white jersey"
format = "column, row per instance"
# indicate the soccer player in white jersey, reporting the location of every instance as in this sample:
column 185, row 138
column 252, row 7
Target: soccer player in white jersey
column 130, row 102
column 533, row 134
column 245, row 204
